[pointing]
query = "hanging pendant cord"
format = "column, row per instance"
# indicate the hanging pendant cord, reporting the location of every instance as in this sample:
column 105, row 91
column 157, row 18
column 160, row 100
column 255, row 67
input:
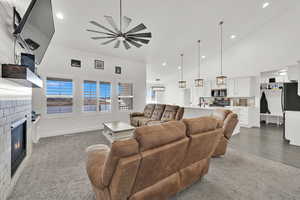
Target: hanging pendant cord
column 121, row 16
column 199, row 57
column 181, row 67
column 221, row 40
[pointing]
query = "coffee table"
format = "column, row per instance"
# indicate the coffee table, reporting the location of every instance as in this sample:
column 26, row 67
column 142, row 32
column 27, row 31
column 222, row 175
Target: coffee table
column 114, row 131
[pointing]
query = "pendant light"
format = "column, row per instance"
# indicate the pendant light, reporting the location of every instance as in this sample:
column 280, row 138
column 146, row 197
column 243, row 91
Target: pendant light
column 221, row 80
column 199, row 82
column 182, row 83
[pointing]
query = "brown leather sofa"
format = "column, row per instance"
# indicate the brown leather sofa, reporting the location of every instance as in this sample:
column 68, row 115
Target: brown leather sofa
column 159, row 162
column 156, row 114
column 229, row 121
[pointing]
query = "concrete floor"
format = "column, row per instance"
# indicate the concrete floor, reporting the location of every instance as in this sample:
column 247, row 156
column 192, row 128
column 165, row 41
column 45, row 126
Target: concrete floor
column 267, row 142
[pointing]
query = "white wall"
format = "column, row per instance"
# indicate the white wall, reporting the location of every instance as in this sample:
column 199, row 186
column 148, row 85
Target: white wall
column 57, row 64
column 272, row 46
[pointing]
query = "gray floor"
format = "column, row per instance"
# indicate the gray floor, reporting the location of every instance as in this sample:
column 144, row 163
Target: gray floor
column 267, row 142
column 56, row 171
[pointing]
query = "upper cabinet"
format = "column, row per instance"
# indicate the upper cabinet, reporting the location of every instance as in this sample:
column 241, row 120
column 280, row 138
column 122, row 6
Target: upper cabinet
column 241, row 87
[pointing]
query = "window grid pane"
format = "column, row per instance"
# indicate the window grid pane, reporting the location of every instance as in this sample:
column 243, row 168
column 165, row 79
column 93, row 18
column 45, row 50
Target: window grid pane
column 104, row 97
column 125, row 96
column 59, row 93
column 90, row 96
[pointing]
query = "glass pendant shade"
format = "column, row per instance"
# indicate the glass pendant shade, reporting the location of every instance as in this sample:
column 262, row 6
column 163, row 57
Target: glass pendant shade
column 182, row 84
column 221, row 80
column 199, row 82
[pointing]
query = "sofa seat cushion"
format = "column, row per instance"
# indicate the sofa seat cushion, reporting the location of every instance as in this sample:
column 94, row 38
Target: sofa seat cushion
column 169, row 113
column 149, row 110
column 135, row 121
column 158, row 111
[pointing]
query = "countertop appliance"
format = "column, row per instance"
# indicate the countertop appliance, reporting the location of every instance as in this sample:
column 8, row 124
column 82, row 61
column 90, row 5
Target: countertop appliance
column 290, row 101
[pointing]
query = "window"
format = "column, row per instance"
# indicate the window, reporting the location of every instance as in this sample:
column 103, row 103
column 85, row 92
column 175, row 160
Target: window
column 125, row 96
column 90, row 96
column 59, row 93
column 104, row 97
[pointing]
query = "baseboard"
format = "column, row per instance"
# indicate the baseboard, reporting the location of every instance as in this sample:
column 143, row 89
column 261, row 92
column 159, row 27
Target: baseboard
column 69, row 132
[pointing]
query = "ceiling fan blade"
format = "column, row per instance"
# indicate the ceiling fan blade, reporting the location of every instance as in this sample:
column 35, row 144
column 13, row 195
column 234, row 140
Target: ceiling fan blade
column 111, row 21
column 93, row 31
column 117, row 44
column 126, row 22
column 144, row 41
column 145, row 35
column 98, row 38
column 133, row 43
column 103, row 27
column 138, row 28
column 109, row 41
column 126, row 45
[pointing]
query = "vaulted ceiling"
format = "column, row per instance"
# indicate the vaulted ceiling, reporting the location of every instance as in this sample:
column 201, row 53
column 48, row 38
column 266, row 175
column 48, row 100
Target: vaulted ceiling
column 176, row 25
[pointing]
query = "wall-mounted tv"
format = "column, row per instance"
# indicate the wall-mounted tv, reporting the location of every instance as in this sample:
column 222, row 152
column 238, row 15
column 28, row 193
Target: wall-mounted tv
column 36, row 28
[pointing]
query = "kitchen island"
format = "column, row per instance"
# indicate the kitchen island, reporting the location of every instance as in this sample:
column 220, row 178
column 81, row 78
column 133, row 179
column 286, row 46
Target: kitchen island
column 197, row 111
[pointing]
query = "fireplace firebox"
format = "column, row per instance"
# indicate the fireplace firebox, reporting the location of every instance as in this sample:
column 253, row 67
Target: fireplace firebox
column 18, row 144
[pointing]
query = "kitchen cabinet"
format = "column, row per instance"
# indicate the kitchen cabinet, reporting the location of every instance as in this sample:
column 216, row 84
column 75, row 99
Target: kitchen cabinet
column 205, row 91
column 241, row 87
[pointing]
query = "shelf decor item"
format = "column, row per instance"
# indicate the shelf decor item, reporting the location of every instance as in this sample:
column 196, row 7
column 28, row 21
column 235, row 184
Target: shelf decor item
column 199, row 82
column 99, row 64
column 182, row 83
column 221, row 80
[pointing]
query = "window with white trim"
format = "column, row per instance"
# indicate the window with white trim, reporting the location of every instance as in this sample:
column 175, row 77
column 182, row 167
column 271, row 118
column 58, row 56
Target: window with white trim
column 125, row 96
column 90, row 96
column 104, row 96
column 59, row 94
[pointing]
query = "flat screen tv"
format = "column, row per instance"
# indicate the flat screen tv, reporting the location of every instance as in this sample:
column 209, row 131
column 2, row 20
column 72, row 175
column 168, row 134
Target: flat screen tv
column 36, row 28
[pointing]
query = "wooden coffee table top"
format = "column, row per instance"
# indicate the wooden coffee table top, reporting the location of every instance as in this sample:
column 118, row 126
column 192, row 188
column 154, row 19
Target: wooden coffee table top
column 117, row 126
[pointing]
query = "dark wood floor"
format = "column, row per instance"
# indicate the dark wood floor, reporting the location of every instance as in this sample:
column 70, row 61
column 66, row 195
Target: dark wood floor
column 267, row 142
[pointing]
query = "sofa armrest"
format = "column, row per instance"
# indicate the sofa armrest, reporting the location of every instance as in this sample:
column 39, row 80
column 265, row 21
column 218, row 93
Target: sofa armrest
column 96, row 156
column 136, row 114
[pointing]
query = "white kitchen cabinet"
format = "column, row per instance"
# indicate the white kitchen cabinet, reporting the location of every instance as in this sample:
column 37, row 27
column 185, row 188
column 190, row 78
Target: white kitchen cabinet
column 205, row 91
column 248, row 116
column 241, row 87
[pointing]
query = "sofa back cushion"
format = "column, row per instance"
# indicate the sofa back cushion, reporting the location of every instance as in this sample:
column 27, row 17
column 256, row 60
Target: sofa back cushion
column 158, row 111
column 119, row 149
column 204, row 136
column 169, row 113
column 230, row 124
column 221, row 114
column 149, row 110
column 179, row 113
column 163, row 149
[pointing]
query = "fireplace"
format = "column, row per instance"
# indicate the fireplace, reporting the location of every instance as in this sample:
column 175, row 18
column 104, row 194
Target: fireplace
column 18, row 144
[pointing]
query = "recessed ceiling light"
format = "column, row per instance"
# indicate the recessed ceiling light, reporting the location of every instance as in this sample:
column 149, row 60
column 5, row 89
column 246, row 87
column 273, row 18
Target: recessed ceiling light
column 179, row 67
column 233, row 36
column 60, row 16
column 266, row 4
column 203, row 57
column 164, row 64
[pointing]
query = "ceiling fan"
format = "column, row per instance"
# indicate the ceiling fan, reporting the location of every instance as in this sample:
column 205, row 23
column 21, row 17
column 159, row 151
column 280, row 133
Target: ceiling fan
column 120, row 34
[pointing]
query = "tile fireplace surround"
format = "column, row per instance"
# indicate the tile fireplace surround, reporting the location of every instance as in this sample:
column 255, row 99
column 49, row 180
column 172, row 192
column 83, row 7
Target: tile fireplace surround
column 11, row 111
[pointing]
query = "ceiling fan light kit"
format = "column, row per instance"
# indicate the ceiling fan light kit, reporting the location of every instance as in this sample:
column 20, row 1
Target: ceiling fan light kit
column 221, row 80
column 199, row 82
column 120, row 35
column 181, row 82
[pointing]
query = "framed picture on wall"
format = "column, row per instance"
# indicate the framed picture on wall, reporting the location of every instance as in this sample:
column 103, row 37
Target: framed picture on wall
column 118, row 70
column 76, row 63
column 99, row 64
